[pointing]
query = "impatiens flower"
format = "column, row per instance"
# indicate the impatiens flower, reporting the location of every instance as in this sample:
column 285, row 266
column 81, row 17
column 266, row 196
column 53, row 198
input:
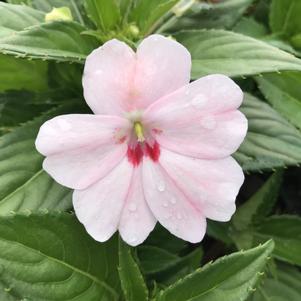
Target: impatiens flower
column 157, row 149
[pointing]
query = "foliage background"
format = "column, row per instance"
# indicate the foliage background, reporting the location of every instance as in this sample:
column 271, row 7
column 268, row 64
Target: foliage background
column 45, row 254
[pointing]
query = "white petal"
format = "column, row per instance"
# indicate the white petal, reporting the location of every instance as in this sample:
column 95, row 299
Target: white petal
column 99, row 206
column 137, row 221
column 170, row 205
column 200, row 120
column 212, row 185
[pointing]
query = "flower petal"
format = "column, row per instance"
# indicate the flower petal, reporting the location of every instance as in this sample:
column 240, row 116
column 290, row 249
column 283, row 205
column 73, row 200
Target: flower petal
column 81, row 149
column 163, row 66
column 108, row 77
column 69, row 132
column 170, row 205
column 201, row 119
column 212, row 185
column 82, row 167
column 137, row 221
column 99, row 206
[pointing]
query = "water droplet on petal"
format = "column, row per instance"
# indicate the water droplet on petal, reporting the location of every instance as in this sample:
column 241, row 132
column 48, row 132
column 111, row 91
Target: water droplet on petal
column 99, row 72
column 199, row 101
column 165, row 204
column 179, row 215
column 161, row 186
column 132, row 207
column 208, row 123
column 173, row 201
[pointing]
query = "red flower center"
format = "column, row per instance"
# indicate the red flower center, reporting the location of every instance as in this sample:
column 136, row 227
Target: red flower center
column 136, row 153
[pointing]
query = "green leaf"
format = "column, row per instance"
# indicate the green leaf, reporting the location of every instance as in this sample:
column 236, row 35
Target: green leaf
column 132, row 282
column 219, row 51
column 17, row 17
column 147, row 13
column 283, row 92
column 259, row 205
column 219, row 231
column 221, row 15
column 155, row 260
column 105, row 14
column 51, row 257
column 286, row 285
column 271, row 141
column 285, row 16
column 59, row 41
column 161, row 237
column 165, row 267
column 229, row 278
column 285, row 230
column 250, row 27
column 18, row 107
column 23, row 183
column 20, row 74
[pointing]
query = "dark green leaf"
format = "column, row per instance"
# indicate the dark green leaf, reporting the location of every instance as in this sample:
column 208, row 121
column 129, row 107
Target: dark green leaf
column 221, row 15
column 285, row 16
column 218, row 51
column 18, row 107
column 165, row 267
column 132, row 282
column 17, row 17
column 147, row 13
column 23, row 183
column 20, row 74
column 105, row 14
column 59, row 41
column 284, row 286
column 50, row 257
column 259, row 205
column 271, row 141
column 283, row 92
column 286, row 232
column 229, row 278
column 250, row 27
column 161, row 237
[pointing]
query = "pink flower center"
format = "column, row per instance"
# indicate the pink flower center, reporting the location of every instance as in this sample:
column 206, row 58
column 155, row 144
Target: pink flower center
column 142, row 143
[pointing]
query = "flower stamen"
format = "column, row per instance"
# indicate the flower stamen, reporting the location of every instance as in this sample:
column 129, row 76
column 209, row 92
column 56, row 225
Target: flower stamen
column 138, row 128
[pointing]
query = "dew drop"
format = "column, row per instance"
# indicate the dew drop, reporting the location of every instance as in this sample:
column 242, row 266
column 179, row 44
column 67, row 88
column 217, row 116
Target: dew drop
column 161, row 186
column 165, row 204
column 179, row 215
column 132, row 207
column 173, row 201
column 199, row 101
column 208, row 123
column 99, row 72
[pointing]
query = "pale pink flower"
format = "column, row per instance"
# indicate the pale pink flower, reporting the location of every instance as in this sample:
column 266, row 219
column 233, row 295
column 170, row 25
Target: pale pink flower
column 157, row 149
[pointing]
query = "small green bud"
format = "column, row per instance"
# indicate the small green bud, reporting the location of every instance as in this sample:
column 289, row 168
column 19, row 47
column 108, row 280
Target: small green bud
column 59, row 14
column 134, row 30
column 296, row 41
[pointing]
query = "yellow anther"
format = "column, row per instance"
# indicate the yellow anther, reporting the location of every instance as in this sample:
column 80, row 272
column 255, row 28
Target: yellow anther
column 139, row 131
column 59, row 14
